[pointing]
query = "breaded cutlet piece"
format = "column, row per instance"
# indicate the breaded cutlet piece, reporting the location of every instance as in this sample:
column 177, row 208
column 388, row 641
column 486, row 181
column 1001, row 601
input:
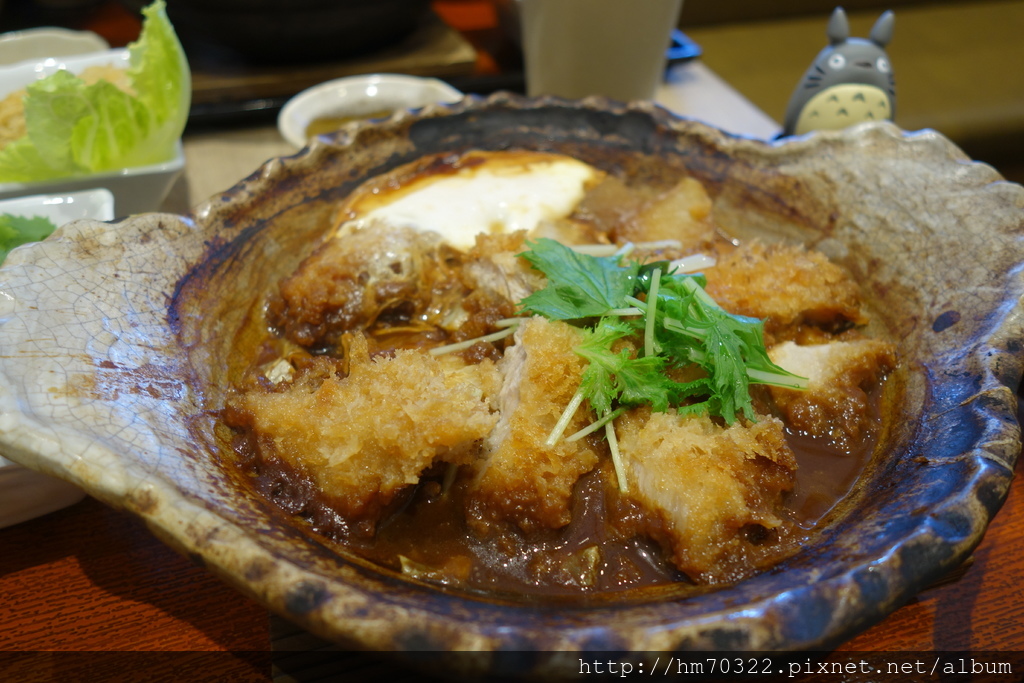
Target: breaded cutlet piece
column 704, row 486
column 835, row 404
column 521, row 479
column 786, row 286
column 363, row 438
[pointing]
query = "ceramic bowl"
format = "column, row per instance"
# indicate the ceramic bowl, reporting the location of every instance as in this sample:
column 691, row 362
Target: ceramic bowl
column 137, row 189
column 354, row 97
column 118, row 341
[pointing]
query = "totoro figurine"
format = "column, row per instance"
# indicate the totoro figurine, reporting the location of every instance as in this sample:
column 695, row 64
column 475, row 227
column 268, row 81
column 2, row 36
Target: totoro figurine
column 849, row 82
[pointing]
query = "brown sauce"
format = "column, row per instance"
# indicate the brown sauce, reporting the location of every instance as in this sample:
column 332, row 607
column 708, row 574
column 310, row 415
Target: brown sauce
column 329, row 124
column 825, row 476
column 428, row 528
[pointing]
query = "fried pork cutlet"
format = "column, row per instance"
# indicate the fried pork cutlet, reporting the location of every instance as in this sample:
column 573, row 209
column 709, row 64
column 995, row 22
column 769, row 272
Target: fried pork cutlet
column 370, row 412
column 521, row 478
column 353, row 279
column 363, row 438
column 787, row 286
column 708, row 492
column 835, row 404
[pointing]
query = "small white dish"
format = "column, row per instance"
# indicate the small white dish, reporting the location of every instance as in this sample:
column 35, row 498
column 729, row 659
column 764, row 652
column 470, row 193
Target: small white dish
column 357, row 97
column 24, row 493
column 35, row 44
column 97, row 204
column 136, row 190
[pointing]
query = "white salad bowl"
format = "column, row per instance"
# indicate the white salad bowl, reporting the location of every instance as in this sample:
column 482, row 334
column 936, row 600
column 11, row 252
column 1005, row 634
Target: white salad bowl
column 135, row 190
column 47, row 41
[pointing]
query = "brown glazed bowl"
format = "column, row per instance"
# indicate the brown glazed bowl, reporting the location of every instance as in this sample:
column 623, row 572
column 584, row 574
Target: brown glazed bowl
column 118, row 342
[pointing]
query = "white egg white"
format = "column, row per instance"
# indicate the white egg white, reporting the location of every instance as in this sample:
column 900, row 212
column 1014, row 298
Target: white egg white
column 487, row 192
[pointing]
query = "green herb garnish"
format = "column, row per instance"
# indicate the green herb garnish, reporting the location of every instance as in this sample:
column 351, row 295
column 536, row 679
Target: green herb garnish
column 579, row 285
column 18, row 230
column 614, row 300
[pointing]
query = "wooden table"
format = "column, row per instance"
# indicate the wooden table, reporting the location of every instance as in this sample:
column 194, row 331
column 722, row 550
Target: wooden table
column 86, row 593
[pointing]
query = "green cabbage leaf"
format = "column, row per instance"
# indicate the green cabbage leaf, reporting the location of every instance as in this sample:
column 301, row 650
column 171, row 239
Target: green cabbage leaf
column 77, row 129
column 18, row 230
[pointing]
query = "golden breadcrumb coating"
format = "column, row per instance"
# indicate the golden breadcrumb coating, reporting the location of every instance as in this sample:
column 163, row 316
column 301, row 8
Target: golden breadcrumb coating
column 492, row 264
column 363, row 438
column 785, row 285
column 703, row 486
column 522, row 479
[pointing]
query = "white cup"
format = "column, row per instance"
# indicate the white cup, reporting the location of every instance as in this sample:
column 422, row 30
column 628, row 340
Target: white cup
column 617, row 48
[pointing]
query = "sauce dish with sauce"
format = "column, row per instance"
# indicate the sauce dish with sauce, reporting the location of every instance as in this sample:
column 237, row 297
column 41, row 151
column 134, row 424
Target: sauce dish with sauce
column 326, row 107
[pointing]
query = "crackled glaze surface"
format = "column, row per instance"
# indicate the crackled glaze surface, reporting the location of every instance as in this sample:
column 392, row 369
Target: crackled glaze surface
column 118, row 340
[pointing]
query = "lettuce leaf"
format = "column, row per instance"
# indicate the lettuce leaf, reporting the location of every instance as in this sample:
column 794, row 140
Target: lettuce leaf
column 18, row 230
column 78, row 129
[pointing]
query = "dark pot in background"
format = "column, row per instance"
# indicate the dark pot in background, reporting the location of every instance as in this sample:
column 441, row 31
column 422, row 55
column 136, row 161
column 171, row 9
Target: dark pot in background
column 269, row 32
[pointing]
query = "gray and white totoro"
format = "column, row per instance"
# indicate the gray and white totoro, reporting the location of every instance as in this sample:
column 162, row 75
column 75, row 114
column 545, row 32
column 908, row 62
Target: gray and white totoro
column 850, row 81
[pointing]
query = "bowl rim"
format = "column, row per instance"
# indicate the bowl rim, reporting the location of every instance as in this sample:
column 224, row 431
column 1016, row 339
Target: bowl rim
column 55, row 41
column 19, row 74
column 934, row 543
column 50, row 204
column 15, row 76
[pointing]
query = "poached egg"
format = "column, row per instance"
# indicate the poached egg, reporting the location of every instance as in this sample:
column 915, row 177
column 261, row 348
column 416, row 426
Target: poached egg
column 479, row 192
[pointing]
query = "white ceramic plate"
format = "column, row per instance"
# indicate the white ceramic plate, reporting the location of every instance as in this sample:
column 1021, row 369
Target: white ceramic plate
column 25, row 494
column 136, row 190
column 358, row 96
